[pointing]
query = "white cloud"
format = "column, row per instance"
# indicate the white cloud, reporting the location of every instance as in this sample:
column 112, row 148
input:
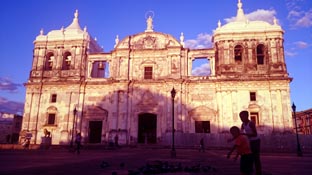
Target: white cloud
column 12, row 107
column 202, row 70
column 290, row 54
column 293, row 4
column 6, row 84
column 258, row 15
column 294, row 49
column 305, row 20
column 301, row 44
column 299, row 13
column 262, row 15
column 203, row 40
column 293, row 14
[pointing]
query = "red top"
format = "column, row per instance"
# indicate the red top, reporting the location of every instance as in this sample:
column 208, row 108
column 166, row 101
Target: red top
column 242, row 145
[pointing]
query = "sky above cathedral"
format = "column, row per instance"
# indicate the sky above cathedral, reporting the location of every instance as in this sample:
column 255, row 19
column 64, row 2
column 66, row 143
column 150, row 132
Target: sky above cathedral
column 21, row 22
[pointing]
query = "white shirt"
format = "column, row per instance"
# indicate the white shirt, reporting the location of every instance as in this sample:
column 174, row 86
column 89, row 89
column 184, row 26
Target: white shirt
column 247, row 129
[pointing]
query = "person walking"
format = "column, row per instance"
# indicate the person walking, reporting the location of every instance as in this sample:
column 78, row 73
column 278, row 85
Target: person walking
column 78, row 143
column 249, row 129
column 26, row 143
column 116, row 141
column 202, row 145
column 241, row 144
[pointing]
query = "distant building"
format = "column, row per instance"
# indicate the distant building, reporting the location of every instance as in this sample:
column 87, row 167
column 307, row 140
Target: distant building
column 127, row 91
column 304, row 121
column 10, row 127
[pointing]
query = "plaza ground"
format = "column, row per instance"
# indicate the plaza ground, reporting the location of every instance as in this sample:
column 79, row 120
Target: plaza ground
column 100, row 161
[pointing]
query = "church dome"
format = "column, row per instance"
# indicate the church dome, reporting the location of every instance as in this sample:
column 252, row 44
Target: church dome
column 247, row 26
column 73, row 31
column 242, row 25
column 149, row 39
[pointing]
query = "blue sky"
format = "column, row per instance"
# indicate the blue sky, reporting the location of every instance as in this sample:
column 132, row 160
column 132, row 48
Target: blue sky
column 21, row 22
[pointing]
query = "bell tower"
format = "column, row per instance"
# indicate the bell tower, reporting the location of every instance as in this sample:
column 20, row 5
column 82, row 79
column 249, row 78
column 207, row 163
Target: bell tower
column 253, row 48
column 61, row 54
column 53, row 90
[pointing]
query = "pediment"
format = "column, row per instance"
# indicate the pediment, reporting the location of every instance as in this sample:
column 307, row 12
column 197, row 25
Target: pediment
column 148, row 40
column 254, row 108
column 202, row 113
column 95, row 111
column 52, row 109
column 147, row 100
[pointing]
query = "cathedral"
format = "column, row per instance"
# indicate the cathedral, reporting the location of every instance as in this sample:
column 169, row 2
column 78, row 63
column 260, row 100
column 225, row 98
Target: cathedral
column 143, row 90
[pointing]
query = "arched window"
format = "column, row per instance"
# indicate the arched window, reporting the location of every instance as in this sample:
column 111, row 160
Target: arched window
column 260, row 54
column 49, row 61
column 238, row 54
column 66, row 61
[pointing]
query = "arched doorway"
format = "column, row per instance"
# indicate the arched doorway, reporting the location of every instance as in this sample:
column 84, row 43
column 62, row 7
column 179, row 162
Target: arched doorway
column 147, row 128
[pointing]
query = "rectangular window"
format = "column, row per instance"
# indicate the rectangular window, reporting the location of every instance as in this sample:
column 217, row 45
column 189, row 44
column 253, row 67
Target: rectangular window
column 197, row 65
column 202, row 126
column 148, row 72
column 53, row 98
column 253, row 96
column 254, row 117
column 51, row 119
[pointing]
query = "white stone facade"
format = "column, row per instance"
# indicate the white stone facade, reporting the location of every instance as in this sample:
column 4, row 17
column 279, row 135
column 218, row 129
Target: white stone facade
column 248, row 72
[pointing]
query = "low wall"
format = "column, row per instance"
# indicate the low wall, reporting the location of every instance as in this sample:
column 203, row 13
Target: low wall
column 269, row 143
column 274, row 142
column 17, row 146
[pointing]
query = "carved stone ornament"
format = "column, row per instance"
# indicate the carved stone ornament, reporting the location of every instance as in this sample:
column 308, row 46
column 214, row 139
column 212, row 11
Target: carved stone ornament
column 149, row 42
column 148, row 100
column 202, row 113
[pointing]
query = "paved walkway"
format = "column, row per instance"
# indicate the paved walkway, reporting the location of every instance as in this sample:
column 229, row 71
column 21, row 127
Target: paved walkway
column 135, row 160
